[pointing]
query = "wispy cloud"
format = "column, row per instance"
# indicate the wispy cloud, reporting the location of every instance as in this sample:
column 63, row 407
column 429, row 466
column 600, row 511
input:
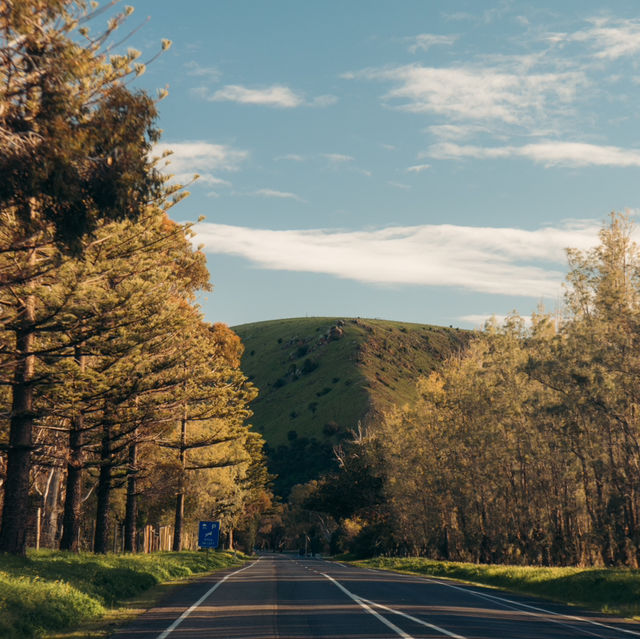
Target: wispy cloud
column 209, row 73
column 203, row 178
column 273, row 96
column 478, row 93
column 571, row 154
column 203, row 158
column 276, row 95
column 424, row 41
column 199, row 92
column 281, row 195
column 293, row 157
column 418, row 168
column 611, row 38
column 487, row 16
column 505, row 261
column 337, row 158
column 455, row 131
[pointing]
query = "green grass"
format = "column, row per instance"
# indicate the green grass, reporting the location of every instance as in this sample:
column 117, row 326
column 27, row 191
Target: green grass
column 53, row 591
column 274, row 350
column 608, row 590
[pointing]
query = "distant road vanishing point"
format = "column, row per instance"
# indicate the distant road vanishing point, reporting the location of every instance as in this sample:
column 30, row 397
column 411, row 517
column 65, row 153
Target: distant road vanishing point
column 286, row 597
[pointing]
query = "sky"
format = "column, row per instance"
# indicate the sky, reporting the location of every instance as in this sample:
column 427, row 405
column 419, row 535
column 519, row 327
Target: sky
column 414, row 160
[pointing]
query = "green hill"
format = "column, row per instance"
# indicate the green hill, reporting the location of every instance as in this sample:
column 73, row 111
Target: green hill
column 318, row 377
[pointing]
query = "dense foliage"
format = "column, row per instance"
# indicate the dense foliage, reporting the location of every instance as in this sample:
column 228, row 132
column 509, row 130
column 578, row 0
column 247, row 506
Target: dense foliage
column 110, row 377
column 524, row 448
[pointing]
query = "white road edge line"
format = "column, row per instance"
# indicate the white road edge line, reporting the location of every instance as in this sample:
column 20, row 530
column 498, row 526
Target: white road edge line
column 482, row 595
column 415, row 619
column 165, row 633
column 537, row 610
column 362, row 604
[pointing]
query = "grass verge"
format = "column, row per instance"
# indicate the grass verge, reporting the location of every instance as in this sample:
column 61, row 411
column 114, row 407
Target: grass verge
column 608, row 590
column 50, row 591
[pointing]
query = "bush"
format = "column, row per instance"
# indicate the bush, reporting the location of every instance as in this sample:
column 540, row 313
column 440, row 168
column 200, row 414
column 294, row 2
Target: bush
column 309, row 366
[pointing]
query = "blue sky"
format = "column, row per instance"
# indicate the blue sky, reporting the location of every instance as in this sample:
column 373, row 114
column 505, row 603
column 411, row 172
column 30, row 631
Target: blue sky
column 413, row 160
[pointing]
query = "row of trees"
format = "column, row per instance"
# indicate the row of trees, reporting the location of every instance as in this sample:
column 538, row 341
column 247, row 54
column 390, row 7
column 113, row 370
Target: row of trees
column 110, row 377
column 524, row 448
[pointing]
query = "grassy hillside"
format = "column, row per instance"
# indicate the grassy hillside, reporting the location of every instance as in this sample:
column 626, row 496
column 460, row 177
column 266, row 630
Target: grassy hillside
column 318, row 377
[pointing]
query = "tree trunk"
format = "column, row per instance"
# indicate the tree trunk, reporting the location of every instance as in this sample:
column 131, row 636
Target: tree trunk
column 177, row 528
column 103, row 493
column 131, row 509
column 15, row 512
column 51, row 512
column 75, row 478
column 179, row 520
column 74, row 487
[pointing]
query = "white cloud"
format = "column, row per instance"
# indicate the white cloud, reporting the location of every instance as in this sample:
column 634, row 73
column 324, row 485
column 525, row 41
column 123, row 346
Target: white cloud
column 209, row 73
column 274, row 96
column 203, row 158
column 282, row 195
column 611, row 39
column 479, row 93
column 418, row 168
column 455, row 131
column 424, row 41
column 488, row 260
column 277, row 95
column 203, row 178
column 572, row 154
column 337, row 158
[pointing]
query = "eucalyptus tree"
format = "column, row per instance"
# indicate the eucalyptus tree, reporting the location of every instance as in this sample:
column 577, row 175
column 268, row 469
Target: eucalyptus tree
column 594, row 366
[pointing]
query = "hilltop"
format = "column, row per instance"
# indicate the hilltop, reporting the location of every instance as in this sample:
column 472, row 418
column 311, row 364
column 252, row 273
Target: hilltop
column 320, row 376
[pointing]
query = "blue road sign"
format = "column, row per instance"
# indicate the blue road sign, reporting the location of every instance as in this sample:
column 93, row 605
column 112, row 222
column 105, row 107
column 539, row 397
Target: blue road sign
column 208, row 534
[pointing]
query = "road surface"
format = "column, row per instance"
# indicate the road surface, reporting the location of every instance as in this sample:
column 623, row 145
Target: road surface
column 285, row 597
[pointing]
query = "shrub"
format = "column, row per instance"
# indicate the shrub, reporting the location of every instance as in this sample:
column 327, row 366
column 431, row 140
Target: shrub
column 309, row 366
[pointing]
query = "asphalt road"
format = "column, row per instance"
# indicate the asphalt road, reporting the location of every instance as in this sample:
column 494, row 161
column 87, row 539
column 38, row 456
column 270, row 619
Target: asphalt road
column 281, row 596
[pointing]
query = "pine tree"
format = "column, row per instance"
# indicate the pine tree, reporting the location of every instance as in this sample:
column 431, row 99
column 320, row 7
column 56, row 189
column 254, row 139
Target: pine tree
column 214, row 406
column 74, row 145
